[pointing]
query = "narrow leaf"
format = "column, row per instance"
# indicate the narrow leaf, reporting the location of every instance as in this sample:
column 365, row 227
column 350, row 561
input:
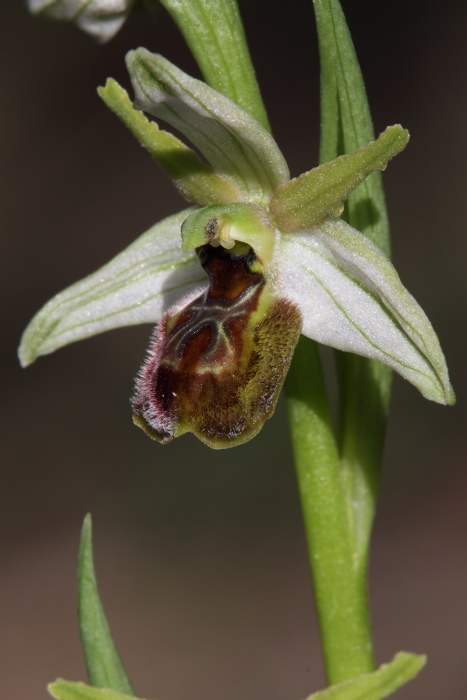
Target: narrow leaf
column 308, row 199
column 352, row 299
column 364, row 385
column 103, row 664
column 371, row 686
column 232, row 141
column 195, row 180
column 137, row 286
column 346, row 118
column 214, row 32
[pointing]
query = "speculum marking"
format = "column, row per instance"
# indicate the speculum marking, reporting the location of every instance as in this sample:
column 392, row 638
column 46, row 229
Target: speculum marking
column 219, row 363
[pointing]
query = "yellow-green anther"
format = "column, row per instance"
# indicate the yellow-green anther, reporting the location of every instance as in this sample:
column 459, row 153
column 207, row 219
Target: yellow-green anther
column 226, row 224
column 195, row 180
column 312, row 197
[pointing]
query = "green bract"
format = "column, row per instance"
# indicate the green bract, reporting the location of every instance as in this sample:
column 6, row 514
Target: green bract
column 370, row 686
column 273, row 249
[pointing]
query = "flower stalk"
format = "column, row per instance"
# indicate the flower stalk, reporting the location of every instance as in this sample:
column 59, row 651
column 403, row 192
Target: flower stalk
column 352, row 477
column 339, row 574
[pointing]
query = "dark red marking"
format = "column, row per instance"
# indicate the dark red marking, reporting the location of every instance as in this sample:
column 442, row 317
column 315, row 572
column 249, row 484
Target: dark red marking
column 211, row 370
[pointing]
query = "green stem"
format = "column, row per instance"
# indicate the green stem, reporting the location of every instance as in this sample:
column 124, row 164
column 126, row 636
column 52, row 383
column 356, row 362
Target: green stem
column 338, row 485
column 339, row 571
column 337, row 532
column 364, row 384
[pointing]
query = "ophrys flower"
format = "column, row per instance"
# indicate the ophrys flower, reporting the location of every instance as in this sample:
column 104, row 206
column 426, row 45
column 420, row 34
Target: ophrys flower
column 278, row 258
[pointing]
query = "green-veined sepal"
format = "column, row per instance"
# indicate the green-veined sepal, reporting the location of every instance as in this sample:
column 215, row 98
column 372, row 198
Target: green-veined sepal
column 351, row 298
column 99, row 18
column 232, row 141
column 194, row 179
column 228, row 68
column 137, row 286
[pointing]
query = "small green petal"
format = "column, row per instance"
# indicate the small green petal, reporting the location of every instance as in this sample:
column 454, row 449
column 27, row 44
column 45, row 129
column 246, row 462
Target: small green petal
column 233, row 142
column 137, row 286
column 100, row 18
column 195, row 180
column 352, row 299
column 307, row 200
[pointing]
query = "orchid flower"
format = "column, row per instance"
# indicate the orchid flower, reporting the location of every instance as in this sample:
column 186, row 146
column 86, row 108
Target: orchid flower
column 233, row 280
column 100, row 18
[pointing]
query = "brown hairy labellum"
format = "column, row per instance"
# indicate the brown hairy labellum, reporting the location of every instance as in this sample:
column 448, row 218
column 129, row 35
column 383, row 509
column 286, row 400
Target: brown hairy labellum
column 217, row 361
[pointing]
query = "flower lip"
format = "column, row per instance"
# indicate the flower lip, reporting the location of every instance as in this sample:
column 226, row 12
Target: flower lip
column 217, row 361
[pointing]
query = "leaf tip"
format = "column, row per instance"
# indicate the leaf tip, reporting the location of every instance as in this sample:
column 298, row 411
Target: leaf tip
column 87, row 524
column 408, row 656
column 85, row 547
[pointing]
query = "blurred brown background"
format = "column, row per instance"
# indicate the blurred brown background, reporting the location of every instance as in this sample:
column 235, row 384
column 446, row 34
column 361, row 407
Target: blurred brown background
column 200, row 554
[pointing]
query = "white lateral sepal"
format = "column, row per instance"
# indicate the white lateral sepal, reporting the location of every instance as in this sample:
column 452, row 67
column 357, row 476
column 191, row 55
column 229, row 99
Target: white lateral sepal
column 137, row 286
column 352, row 299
